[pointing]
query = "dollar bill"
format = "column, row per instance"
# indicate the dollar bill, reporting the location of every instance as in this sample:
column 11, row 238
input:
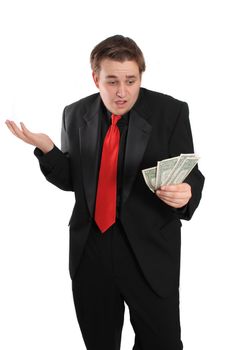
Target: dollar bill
column 178, row 167
column 184, row 170
column 164, row 168
column 149, row 177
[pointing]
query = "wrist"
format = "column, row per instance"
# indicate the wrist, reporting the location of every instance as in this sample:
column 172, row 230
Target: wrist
column 48, row 148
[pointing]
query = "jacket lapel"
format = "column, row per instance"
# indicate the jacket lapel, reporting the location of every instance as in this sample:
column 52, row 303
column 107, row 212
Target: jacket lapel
column 89, row 136
column 138, row 135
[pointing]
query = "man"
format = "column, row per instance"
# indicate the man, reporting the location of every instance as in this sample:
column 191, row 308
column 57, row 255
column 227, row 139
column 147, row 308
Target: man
column 124, row 239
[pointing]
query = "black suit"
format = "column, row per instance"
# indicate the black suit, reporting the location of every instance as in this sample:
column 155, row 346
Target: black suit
column 158, row 129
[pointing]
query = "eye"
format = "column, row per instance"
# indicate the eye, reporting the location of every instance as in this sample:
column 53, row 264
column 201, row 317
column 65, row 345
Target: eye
column 130, row 81
column 112, row 82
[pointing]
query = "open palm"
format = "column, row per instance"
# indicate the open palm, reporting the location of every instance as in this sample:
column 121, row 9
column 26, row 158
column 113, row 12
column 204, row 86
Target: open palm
column 42, row 141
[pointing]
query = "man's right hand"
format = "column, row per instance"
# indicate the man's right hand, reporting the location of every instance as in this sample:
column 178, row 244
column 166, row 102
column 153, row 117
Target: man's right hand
column 42, row 141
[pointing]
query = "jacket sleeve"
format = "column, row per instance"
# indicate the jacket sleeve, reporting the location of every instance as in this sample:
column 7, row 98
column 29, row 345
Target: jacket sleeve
column 55, row 165
column 181, row 141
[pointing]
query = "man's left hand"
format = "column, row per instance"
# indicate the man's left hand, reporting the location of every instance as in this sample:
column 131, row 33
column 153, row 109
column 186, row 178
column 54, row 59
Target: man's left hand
column 176, row 196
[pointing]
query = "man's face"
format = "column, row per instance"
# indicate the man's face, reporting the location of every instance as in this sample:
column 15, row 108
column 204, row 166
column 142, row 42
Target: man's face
column 119, row 85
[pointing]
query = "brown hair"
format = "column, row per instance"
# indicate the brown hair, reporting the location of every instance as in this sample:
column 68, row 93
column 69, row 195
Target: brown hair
column 117, row 48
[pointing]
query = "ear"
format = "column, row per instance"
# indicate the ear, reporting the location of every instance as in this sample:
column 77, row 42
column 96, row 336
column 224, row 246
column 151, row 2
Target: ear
column 95, row 78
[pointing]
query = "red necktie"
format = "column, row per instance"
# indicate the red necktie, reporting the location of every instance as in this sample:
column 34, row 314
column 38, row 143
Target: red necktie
column 105, row 209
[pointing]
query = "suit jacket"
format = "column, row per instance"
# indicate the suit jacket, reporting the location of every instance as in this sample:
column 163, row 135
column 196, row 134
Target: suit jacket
column 158, row 128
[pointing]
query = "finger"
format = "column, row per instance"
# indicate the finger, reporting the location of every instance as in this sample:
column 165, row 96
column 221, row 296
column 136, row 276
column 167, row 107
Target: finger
column 17, row 131
column 28, row 134
column 176, row 188
column 8, row 124
column 171, row 195
column 171, row 204
column 25, row 130
column 177, row 204
column 174, row 200
column 13, row 127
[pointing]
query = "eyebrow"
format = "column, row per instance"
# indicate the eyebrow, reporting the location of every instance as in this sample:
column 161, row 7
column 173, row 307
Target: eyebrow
column 131, row 76
column 111, row 76
column 115, row 77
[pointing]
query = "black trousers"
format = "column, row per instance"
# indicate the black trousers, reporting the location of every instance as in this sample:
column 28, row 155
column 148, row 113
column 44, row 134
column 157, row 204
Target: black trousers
column 109, row 276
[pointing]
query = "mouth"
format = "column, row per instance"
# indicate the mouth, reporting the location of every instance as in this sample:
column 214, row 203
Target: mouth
column 120, row 103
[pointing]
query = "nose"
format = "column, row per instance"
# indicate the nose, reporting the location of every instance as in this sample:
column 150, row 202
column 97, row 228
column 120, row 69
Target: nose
column 121, row 90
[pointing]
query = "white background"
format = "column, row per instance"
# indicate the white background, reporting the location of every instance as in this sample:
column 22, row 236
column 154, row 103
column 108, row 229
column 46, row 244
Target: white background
column 45, row 47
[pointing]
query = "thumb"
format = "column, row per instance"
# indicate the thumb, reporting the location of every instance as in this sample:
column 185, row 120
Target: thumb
column 24, row 129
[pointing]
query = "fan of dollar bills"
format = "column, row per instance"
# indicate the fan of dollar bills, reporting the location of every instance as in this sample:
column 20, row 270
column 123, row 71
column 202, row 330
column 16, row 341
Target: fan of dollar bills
column 170, row 171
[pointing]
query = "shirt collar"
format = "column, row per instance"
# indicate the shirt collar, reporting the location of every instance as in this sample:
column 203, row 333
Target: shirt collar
column 124, row 118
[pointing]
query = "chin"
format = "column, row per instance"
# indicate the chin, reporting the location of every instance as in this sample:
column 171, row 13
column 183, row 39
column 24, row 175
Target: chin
column 121, row 111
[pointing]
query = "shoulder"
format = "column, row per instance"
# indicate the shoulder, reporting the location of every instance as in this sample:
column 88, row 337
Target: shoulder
column 155, row 106
column 159, row 99
column 162, row 111
column 83, row 104
column 74, row 112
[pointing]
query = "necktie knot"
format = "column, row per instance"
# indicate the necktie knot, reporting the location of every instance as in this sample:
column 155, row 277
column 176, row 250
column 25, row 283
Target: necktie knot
column 115, row 118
